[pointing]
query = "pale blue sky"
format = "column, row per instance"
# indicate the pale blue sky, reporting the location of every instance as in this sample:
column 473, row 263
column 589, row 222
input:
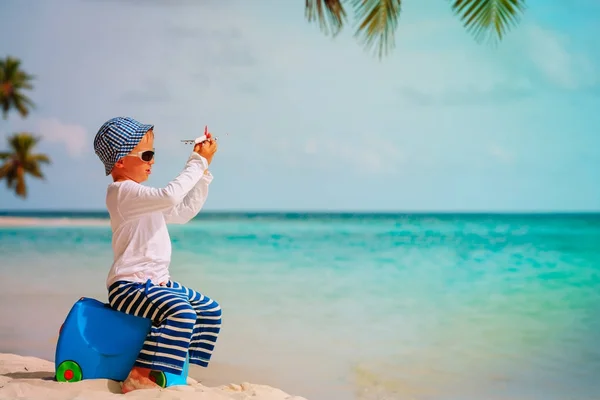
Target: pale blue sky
column 316, row 124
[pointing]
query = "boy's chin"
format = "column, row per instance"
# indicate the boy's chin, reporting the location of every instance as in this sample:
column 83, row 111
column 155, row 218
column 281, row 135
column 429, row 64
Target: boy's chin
column 141, row 178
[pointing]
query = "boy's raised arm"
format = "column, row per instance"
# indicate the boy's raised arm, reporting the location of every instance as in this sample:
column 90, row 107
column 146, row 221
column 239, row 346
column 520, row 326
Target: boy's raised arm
column 191, row 204
column 142, row 199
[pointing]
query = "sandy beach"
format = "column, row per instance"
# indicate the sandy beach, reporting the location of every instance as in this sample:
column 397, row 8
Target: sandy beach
column 33, row 378
column 40, row 222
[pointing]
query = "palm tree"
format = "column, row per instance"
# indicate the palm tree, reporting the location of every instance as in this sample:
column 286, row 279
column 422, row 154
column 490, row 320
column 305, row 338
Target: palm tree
column 20, row 161
column 13, row 81
column 378, row 19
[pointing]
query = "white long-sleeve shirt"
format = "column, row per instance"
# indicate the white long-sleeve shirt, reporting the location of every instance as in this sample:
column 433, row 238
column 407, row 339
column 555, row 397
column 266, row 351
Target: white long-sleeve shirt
column 139, row 216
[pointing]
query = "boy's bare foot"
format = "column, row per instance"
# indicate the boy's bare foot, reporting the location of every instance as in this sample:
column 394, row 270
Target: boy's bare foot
column 139, row 378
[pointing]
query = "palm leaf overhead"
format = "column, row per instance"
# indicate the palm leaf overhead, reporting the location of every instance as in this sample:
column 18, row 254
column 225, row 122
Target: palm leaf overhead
column 330, row 14
column 489, row 19
column 13, row 81
column 21, row 160
column 377, row 20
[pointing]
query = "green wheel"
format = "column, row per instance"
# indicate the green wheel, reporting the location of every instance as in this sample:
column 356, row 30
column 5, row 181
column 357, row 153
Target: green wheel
column 68, row 371
column 159, row 378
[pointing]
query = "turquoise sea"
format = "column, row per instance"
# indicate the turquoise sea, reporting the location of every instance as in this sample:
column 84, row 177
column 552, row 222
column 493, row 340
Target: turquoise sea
column 353, row 306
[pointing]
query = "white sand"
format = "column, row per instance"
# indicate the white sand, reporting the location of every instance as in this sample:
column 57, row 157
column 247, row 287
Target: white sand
column 27, row 221
column 33, row 378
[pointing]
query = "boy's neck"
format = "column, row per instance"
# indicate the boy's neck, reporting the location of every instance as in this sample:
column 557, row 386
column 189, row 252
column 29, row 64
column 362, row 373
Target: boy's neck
column 120, row 178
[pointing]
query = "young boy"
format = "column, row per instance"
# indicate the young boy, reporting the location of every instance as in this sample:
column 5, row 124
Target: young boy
column 184, row 321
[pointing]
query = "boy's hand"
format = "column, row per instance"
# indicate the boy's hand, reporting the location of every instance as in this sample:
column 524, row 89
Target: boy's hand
column 207, row 149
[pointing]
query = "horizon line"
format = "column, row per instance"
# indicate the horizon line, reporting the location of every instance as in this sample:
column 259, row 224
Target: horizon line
column 317, row 211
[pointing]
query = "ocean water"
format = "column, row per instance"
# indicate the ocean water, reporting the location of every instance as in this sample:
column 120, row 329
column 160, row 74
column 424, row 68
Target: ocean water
column 354, row 306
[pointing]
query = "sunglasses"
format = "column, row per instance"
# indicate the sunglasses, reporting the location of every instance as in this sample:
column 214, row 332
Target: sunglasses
column 145, row 155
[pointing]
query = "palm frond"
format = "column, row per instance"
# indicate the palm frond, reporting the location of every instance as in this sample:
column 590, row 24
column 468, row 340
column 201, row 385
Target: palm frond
column 22, row 144
column 33, row 169
column 13, row 82
column 39, row 158
column 12, row 66
column 23, row 104
column 5, row 170
column 5, row 107
column 330, row 15
column 488, row 19
column 10, row 174
column 20, row 161
column 32, row 164
column 378, row 23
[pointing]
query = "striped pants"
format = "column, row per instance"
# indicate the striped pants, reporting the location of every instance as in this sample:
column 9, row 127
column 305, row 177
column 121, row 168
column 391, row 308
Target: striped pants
column 184, row 323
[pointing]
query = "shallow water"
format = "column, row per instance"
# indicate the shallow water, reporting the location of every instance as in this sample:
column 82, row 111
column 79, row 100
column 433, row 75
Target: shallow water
column 356, row 306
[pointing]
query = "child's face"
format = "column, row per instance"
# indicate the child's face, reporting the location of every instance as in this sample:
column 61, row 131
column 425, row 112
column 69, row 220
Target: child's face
column 134, row 166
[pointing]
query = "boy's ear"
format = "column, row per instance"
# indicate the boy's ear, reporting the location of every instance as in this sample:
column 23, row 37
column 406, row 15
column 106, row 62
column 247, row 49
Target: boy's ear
column 119, row 164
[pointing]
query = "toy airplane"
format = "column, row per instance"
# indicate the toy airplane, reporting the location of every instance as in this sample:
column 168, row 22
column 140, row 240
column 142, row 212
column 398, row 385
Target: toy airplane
column 200, row 139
